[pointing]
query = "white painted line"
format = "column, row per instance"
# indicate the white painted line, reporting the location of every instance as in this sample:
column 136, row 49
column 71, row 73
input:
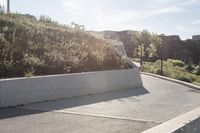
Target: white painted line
column 93, row 115
column 106, row 116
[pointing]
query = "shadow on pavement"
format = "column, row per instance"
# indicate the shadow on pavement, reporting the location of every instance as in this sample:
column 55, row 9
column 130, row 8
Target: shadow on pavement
column 70, row 102
column 11, row 112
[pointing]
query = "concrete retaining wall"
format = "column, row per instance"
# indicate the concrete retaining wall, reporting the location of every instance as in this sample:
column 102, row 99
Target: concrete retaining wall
column 36, row 89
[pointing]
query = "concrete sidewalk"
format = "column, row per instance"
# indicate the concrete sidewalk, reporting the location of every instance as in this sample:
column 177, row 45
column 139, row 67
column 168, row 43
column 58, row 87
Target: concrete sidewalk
column 132, row 110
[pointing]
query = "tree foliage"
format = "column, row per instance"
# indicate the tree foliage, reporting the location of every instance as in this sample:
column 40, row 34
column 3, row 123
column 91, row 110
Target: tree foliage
column 152, row 51
column 172, row 48
column 150, row 43
column 32, row 46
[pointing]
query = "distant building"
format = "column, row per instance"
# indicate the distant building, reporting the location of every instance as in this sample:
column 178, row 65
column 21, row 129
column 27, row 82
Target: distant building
column 172, row 38
column 126, row 33
column 170, row 42
column 110, row 34
column 196, row 37
column 118, row 34
column 119, row 46
column 130, row 32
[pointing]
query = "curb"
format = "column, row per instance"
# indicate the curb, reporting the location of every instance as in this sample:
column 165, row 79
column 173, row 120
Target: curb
column 172, row 80
column 185, row 123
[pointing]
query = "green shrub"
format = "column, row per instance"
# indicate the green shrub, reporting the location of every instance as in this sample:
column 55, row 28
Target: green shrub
column 29, row 74
column 189, row 67
column 197, row 80
column 158, row 62
column 157, row 71
column 171, row 71
column 197, row 70
column 176, row 62
column 196, row 83
column 185, row 78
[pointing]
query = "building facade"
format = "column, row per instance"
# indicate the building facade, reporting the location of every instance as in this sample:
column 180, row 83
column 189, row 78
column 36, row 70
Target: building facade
column 196, row 37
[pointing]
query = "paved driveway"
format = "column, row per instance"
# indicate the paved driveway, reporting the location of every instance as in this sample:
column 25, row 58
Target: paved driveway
column 131, row 110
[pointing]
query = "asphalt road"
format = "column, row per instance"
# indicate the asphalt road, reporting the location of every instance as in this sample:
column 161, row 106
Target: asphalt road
column 126, row 111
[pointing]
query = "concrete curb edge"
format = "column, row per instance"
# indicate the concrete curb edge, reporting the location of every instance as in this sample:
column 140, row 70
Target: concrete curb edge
column 175, row 125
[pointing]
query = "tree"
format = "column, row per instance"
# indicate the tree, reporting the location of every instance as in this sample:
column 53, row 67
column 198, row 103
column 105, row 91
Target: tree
column 142, row 39
column 148, row 45
column 140, row 50
column 152, row 51
column 134, row 44
column 77, row 26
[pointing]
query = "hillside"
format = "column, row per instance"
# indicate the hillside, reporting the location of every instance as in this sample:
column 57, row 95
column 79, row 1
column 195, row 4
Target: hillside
column 31, row 46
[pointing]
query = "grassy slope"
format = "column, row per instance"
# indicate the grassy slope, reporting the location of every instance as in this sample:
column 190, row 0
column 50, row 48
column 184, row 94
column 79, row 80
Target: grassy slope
column 39, row 47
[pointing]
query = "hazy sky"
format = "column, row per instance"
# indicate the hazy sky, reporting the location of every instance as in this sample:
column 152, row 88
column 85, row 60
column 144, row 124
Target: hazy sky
column 161, row 16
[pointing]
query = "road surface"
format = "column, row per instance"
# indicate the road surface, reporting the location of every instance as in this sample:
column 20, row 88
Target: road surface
column 126, row 111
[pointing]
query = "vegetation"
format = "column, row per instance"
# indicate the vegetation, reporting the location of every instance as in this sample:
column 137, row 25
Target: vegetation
column 174, row 69
column 149, row 44
column 181, row 58
column 31, row 46
column 136, row 42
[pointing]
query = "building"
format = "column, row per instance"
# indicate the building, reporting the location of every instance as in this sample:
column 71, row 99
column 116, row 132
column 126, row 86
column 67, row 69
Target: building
column 170, row 43
column 172, row 38
column 118, row 45
column 196, row 37
column 110, row 34
column 118, row 34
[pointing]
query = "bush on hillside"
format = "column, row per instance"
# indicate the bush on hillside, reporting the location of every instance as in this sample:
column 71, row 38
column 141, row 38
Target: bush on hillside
column 40, row 47
column 176, row 62
column 197, row 70
column 189, row 67
column 186, row 78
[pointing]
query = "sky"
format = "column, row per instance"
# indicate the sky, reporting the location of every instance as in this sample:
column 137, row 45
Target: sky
column 170, row 17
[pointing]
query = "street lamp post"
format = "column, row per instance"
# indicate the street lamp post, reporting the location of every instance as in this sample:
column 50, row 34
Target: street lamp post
column 162, row 36
column 8, row 6
column 141, row 50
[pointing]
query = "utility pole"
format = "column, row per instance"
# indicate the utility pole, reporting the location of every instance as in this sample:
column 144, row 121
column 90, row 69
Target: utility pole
column 143, row 40
column 8, row 6
column 162, row 44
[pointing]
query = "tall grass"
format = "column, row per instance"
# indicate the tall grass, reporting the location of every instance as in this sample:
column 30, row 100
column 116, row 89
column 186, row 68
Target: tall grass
column 172, row 68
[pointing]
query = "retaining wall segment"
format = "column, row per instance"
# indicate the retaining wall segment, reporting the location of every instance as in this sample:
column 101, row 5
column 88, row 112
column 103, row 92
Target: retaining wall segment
column 42, row 88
